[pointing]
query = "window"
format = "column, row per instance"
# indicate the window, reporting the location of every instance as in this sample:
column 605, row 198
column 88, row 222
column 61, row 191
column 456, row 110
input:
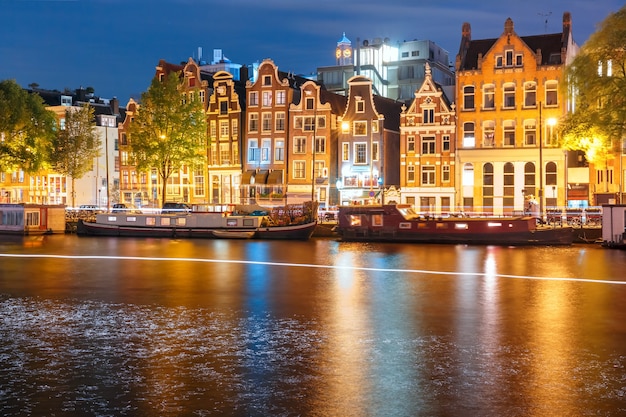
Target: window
column 468, row 135
column 299, row 169
column 530, row 132
column 429, row 116
column 253, row 150
column 360, row 105
column 551, row 173
column 509, row 133
column 410, row 144
column 530, row 94
column 254, row 98
column 281, row 97
column 280, row 122
column 509, row 96
column 213, row 130
column 488, row 178
column 489, row 130
column 309, row 123
column 223, row 107
column 201, row 95
column 267, row 80
column 468, row 175
column 299, row 145
column 509, row 187
column 224, row 153
column 428, row 175
column 428, row 145
column 445, row 143
column 529, row 178
column 551, row 93
column 320, row 144
column 267, row 98
column 345, row 151
column 508, row 58
column 375, row 151
column 360, row 153
column 310, row 103
column 267, row 122
column 410, row 173
column 253, row 122
column 489, row 92
column 224, row 129
column 360, row 128
column 279, row 150
column 235, row 128
column 499, row 59
column 468, row 97
column 445, row 173
column 519, row 59
column 265, row 151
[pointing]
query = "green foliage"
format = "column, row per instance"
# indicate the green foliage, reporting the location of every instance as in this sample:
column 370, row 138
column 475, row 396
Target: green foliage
column 597, row 77
column 75, row 147
column 167, row 132
column 26, row 128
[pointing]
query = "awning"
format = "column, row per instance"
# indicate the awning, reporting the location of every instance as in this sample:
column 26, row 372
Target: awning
column 247, row 177
column 275, row 177
column 261, row 177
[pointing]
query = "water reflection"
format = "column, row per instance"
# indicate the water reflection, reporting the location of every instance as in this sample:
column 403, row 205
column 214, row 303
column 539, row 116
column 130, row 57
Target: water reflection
column 309, row 328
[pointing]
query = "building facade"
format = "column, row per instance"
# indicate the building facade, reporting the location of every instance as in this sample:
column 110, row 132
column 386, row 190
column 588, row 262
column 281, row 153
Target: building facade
column 509, row 99
column 428, row 150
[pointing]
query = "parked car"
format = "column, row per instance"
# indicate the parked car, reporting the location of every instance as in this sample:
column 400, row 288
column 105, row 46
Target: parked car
column 119, row 208
column 174, row 208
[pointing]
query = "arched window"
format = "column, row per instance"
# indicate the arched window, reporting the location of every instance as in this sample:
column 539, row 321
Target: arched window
column 508, row 188
column 488, row 188
column 529, row 179
column 468, row 97
column 469, row 140
column 530, row 94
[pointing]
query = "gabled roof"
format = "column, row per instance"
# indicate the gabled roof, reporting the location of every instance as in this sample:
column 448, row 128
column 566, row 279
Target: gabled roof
column 549, row 44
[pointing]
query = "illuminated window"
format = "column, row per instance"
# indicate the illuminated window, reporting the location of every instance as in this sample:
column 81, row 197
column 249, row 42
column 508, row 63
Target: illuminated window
column 489, row 93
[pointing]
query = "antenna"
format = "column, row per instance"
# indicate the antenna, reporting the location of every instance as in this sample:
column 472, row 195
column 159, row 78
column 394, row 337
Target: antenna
column 546, row 15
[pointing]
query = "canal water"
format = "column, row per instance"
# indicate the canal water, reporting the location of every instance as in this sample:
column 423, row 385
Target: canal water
column 147, row 327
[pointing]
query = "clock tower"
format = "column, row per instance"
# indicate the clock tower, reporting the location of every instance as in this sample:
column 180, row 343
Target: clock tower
column 343, row 52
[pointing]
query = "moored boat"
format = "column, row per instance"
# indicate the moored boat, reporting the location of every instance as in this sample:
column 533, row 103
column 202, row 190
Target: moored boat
column 400, row 223
column 237, row 224
column 614, row 226
column 31, row 219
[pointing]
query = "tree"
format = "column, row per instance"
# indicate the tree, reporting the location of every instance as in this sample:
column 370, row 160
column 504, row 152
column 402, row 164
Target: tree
column 75, row 147
column 597, row 78
column 167, row 131
column 26, row 128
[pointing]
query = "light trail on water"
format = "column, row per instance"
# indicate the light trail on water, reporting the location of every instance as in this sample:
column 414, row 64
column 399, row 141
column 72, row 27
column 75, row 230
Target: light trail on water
column 297, row 265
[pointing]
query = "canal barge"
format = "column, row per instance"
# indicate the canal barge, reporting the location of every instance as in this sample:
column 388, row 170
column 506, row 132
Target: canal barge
column 400, row 223
column 237, row 224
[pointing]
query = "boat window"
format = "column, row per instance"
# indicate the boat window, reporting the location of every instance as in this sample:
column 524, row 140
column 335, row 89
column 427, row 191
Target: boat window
column 32, row 219
column 165, row 221
column 377, row 219
column 461, row 226
column 494, row 224
column 405, row 225
column 112, row 218
column 231, row 222
column 441, row 226
column 131, row 219
column 422, row 225
column 150, row 221
column 355, row 220
column 181, row 221
column 248, row 222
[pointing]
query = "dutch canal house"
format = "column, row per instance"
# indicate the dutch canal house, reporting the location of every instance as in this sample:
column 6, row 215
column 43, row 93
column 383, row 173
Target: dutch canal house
column 509, row 99
column 428, row 149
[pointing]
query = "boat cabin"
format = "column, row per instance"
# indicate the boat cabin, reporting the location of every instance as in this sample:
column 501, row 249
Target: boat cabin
column 614, row 226
column 31, row 219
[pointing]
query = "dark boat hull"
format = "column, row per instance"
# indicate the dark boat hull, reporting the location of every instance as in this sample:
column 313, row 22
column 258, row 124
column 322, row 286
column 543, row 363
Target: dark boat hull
column 295, row 232
column 399, row 223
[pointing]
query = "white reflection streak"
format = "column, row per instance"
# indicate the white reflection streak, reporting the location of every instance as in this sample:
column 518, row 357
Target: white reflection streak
column 337, row 267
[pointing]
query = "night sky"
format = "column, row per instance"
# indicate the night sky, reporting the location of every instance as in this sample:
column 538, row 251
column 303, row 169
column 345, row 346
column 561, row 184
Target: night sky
column 114, row 45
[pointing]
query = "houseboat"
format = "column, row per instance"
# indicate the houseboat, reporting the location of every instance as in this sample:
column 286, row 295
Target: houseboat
column 614, row 226
column 31, row 219
column 240, row 223
column 400, row 223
